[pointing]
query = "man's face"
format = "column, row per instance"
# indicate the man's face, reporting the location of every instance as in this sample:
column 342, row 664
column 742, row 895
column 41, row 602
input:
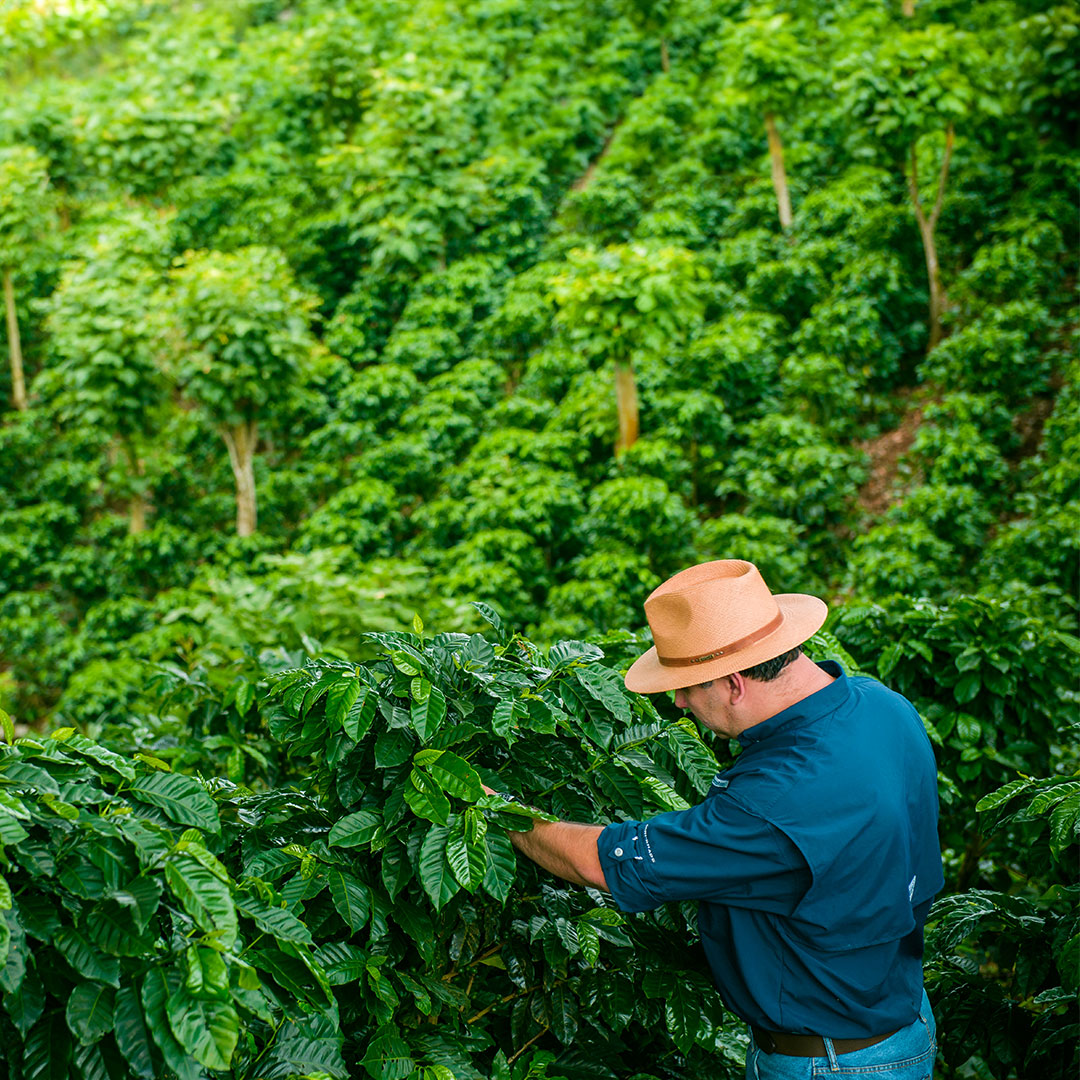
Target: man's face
column 711, row 705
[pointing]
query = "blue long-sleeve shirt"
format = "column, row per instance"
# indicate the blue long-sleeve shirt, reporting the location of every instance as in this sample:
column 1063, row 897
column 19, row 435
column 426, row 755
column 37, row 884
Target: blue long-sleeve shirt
column 815, row 859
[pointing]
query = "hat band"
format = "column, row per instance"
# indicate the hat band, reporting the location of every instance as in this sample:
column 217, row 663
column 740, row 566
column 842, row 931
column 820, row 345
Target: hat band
column 750, row 639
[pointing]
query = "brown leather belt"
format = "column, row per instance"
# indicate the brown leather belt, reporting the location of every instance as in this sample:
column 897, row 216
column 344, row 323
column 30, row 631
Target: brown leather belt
column 782, row 1042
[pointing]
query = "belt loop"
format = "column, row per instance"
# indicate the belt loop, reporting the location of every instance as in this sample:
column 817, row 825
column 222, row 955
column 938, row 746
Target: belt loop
column 834, row 1065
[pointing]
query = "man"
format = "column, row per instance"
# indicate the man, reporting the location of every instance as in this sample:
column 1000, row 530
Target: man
column 814, row 857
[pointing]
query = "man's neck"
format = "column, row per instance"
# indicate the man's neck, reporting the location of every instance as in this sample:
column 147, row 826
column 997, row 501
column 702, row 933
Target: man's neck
column 801, row 678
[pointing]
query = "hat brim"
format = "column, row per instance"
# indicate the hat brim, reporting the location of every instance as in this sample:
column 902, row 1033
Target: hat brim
column 803, row 616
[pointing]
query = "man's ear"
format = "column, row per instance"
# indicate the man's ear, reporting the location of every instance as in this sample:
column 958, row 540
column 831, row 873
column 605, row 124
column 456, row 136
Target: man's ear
column 736, row 687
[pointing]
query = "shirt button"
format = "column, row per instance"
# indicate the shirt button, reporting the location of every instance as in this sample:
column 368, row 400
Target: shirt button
column 618, row 852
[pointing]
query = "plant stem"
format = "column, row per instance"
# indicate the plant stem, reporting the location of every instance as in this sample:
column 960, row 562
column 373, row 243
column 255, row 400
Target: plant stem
column 542, row 1032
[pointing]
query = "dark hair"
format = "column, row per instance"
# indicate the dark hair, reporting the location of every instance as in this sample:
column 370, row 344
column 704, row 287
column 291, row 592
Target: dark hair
column 767, row 670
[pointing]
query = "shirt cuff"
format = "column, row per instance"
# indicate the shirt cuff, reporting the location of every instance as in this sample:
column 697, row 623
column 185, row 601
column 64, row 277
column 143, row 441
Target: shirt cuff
column 628, row 866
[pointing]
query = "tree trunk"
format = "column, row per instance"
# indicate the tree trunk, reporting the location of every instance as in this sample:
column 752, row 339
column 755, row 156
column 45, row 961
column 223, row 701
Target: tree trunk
column 626, row 405
column 136, row 515
column 665, row 58
column 137, row 505
column 908, row 8
column 779, row 175
column 18, row 383
column 240, row 440
column 927, row 225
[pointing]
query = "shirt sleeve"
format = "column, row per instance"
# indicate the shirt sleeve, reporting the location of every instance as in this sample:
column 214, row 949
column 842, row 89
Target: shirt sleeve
column 714, row 851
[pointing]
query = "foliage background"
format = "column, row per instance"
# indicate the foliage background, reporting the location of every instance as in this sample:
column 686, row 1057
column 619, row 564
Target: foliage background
column 480, row 232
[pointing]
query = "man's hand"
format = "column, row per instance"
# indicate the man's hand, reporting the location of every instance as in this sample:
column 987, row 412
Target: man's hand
column 565, row 848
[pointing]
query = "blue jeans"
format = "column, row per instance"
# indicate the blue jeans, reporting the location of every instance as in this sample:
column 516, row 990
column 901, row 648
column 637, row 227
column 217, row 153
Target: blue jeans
column 907, row 1055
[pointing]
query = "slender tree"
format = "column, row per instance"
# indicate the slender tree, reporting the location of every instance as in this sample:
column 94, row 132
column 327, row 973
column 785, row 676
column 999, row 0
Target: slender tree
column 768, row 62
column 916, row 87
column 102, row 370
column 243, row 333
column 26, row 207
column 624, row 302
column 653, row 17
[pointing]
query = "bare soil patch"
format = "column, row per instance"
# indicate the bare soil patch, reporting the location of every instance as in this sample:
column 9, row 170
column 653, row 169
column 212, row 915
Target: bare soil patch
column 885, row 452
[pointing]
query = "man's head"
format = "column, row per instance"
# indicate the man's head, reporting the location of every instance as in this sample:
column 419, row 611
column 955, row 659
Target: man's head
column 718, row 620
column 730, row 704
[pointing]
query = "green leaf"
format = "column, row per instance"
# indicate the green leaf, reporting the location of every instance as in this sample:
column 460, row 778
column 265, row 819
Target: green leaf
column 11, row 832
column 967, row 687
column 26, row 1002
column 1065, row 823
column 682, row 1010
column 623, row 790
column 417, row 926
column 314, row 692
column 404, row 663
column 132, row 1036
column 351, row 897
column 354, row 829
column 1002, row 795
column 452, row 773
column 436, row 877
column 969, row 730
column 23, row 776
column 502, row 719
column 182, row 798
column 101, row 755
column 358, row 719
column 90, row 1062
column 589, row 943
column 8, row 727
column 113, row 927
column 158, row 987
column 562, row 1012
column 387, row 1056
column 428, row 715
column 295, row 972
column 86, row 959
column 342, row 962
column 492, row 617
column 426, row 799
column 308, row 1046
column 15, row 807
column 47, row 1049
column 278, row 921
column 605, row 686
column 90, row 1011
column 890, row 656
column 244, row 697
column 208, row 1030
column 340, row 698
column 465, row 849
column 501, row 866
column 393, row 748
column 203, row 896
column 207, row 974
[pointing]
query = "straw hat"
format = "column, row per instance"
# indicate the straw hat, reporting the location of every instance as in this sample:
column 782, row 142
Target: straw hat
column 717, row 618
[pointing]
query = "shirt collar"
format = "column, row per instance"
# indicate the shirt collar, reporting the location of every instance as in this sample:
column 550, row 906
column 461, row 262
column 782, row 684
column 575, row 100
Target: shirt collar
column 810, row 708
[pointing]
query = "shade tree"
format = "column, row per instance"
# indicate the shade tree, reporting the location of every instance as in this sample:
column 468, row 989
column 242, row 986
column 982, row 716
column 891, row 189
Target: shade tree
column 915, row 87
column 26, row 217
column 772, row 63
column 625, row 302
column 103, row 369
column 241, row 334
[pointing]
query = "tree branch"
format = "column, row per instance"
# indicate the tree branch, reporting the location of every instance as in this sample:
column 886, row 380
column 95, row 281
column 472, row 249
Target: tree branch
column 943, row 178
column 543, row 1031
